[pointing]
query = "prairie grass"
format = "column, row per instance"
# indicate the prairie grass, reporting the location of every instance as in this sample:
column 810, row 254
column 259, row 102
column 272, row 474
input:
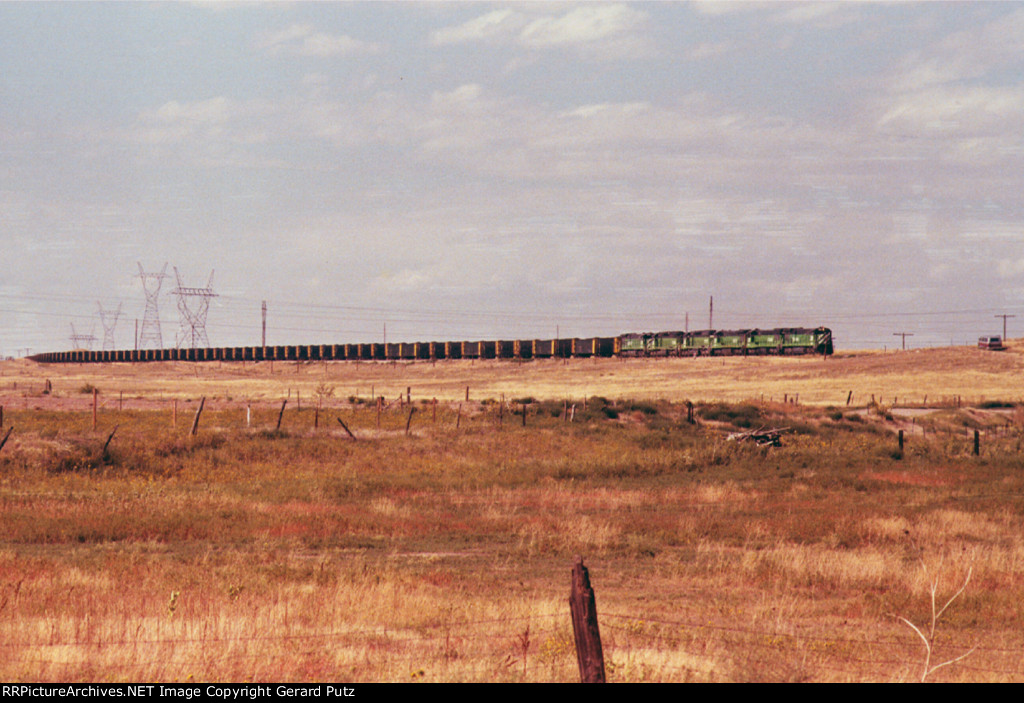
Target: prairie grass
column 249, row 553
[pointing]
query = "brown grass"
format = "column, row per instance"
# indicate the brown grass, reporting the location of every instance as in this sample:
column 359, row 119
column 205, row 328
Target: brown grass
column 939, row 374
column 246, row 554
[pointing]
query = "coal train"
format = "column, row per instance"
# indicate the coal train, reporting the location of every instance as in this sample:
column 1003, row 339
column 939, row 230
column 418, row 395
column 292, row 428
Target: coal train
column 780, row 341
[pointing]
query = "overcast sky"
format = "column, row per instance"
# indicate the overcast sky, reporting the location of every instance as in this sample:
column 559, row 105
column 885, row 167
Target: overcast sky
column 512, row 170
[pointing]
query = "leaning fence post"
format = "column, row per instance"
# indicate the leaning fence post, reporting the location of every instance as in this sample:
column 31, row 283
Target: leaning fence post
column 6, row 437
column 583, row 607
column 345, row 427
column 409, row 421
column 280, row 415
column 195, row 422
column 106, row 445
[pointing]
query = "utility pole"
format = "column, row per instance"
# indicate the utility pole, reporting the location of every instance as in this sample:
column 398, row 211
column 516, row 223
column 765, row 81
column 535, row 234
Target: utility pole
column 1004, row 324
column 711, row 314
column 904, row 335
column 264, row 324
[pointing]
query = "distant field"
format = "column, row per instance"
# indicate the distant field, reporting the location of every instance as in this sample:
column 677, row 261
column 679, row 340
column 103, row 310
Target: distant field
column 912, row 377
column 437, row 545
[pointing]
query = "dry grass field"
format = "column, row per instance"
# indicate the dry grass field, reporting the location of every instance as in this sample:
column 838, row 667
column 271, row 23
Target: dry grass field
column 252, row 552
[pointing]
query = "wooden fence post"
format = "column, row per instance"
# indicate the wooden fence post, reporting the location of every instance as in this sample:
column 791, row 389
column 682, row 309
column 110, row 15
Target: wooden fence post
column 280, row 415
column 583, row 607
column 106, row 445
column 6, row 437
column 409, row 421
column 901, row 441
column 199, row 411
column 977, row 443
column 95, row 394
column 345, row 427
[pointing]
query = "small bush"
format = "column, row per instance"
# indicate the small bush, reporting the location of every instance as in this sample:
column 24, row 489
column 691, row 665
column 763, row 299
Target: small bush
column 744, row 416
column 996, row 405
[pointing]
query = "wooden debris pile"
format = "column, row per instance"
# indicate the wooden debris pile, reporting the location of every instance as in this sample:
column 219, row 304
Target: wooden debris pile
column 760, row 437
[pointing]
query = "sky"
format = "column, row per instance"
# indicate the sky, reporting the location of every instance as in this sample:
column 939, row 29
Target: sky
column 445, row 171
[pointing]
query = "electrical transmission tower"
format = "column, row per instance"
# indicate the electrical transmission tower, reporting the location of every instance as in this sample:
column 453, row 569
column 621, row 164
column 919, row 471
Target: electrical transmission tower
column 192, row 329
column 81, row 341
column 151, row 283
column 108, row 325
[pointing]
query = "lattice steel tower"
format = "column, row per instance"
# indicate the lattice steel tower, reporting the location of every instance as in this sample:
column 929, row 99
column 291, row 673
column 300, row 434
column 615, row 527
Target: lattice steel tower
column 151, row 283
column 108, row 325
column 192, row 320
column 81, row 341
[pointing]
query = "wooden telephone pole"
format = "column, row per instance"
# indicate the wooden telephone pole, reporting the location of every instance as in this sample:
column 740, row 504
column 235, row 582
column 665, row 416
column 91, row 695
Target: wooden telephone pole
column 904, row 335
column 1004, row 324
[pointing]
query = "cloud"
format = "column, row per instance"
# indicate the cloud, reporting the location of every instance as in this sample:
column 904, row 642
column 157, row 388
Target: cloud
column 957, row 110
column 708, row 50
column 582, row 26
column 221, row 118
column 614, row 29
column 497, row 24
column 821, row 15
column 960, row 95
column 304, row 40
